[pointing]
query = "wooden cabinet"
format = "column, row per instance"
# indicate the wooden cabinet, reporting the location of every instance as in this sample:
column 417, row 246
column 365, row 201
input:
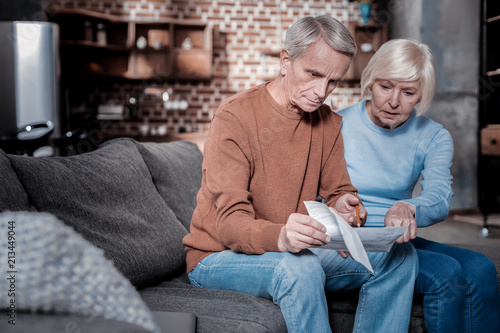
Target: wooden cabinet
column 489, row 112
column 192, row 61
column 100, row 44
column 369, row 38
column 490, row 140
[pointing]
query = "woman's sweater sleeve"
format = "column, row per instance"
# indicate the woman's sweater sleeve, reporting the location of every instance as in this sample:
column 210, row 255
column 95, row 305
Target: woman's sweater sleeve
column 433, row 203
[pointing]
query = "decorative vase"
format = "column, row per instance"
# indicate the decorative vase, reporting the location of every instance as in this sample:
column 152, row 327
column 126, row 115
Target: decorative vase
column 365, row 11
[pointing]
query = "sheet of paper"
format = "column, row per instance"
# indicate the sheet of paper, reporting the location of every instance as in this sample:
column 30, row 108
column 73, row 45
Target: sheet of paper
column 373, row 239
column 322, row 213
column 379, row 239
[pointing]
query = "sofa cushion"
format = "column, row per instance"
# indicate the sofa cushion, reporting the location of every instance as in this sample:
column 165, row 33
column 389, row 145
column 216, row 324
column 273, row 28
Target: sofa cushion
column 13, row 197
column 176, row 171
column 55, row 270
column 108, row 196
column 27, row 322
column 216, row 310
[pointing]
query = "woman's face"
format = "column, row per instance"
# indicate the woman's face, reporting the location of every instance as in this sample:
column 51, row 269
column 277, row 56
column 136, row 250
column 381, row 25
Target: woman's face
column 392, row 102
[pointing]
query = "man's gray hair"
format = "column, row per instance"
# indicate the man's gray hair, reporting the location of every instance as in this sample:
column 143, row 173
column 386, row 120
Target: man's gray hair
column 307, row 30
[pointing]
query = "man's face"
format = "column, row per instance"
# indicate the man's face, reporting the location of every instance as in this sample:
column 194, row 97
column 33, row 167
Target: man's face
column 311, row 79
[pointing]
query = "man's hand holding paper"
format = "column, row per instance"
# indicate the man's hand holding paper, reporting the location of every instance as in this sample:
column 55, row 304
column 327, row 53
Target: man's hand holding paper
column 302, row 232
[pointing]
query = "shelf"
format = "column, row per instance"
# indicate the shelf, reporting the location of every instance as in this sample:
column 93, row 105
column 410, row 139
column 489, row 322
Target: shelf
column 194, row 63
column 91, row 44
column 269, row 53
column 171, row 49
column 89, row 13
column 493, row 19
column 493, row 73
column 373, row 35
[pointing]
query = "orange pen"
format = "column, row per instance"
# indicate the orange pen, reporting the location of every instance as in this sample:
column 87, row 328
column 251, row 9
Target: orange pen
column 358, row 221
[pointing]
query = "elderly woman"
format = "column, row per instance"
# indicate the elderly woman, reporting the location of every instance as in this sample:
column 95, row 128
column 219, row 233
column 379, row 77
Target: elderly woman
column 389, row 144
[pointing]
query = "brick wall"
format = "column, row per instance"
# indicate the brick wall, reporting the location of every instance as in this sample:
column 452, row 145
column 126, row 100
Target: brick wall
column 242, row 32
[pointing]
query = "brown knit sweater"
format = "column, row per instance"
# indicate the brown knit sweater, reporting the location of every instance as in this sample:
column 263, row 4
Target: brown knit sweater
column 260, row 163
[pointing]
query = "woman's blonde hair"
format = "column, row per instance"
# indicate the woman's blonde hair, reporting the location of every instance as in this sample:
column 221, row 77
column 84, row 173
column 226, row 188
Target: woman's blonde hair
column 403, row 60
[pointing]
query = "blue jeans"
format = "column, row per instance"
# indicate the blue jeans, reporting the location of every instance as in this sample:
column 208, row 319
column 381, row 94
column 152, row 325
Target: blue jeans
column 452, row 279
column 297, row 282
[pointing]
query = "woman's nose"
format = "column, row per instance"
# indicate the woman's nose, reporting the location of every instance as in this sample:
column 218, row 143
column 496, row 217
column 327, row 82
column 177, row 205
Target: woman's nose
column 394, row 100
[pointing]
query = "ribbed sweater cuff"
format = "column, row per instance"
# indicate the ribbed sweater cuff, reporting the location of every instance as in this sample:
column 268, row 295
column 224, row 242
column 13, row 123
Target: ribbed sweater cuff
column 270, row 235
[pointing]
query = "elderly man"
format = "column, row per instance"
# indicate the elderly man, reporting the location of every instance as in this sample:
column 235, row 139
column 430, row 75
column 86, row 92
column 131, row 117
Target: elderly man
column 269, row 149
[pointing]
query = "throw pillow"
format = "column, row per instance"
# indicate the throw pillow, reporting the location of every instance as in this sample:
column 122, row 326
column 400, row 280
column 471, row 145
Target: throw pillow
column 176, row 171
column 53, row 269
column 13, row 197
column 108, row 197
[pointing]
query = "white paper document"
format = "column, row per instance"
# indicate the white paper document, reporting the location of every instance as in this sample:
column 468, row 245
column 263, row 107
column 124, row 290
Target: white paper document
column 355, row 240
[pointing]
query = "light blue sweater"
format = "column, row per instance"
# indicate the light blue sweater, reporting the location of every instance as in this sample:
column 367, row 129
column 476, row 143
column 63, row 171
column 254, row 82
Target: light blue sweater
column 385, row 165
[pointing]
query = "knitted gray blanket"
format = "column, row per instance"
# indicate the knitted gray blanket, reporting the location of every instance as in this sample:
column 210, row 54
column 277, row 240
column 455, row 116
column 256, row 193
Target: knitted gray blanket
column 48, row 267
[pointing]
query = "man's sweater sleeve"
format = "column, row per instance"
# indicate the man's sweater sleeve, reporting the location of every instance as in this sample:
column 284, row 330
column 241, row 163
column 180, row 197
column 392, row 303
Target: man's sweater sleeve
column 433, row 203
column 335, row 180
column 228, row 170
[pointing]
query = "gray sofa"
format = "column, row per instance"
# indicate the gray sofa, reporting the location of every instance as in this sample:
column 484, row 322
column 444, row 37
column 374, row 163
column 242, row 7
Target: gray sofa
column 134, row 201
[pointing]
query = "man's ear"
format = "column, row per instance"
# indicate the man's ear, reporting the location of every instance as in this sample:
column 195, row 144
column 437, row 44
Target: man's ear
column 284, row 61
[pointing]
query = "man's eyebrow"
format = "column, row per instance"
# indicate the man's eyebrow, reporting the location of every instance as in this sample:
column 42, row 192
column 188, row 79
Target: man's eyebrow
column 315, row 71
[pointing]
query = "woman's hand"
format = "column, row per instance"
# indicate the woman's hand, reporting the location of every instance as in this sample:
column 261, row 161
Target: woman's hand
column 301, row 232
column 346, row 207
column 402, row 215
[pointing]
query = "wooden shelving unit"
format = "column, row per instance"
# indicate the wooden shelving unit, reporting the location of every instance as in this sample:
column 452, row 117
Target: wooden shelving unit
column 489, row 113
column 99, row 44
column 100, row 51
column 372, row 34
